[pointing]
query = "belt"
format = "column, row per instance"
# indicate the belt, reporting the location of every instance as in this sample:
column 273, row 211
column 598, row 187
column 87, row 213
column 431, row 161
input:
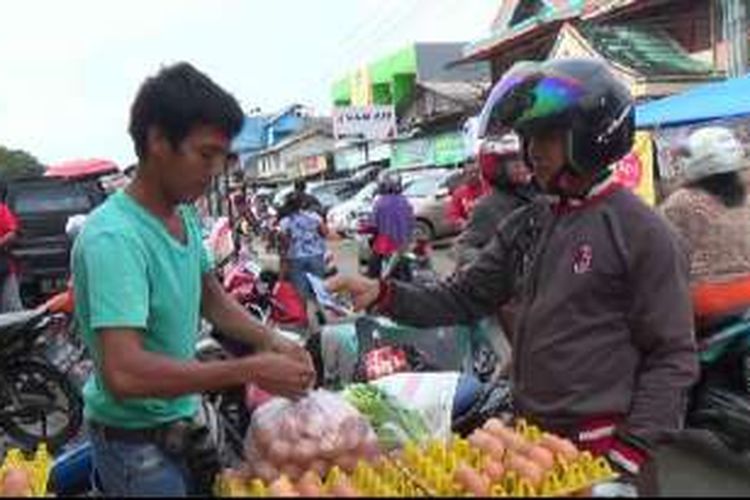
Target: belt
column 135, row 436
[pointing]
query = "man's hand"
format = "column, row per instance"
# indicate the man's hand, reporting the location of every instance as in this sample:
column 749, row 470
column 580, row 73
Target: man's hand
column 279, row 374
column 364, row 291
column 287, row 347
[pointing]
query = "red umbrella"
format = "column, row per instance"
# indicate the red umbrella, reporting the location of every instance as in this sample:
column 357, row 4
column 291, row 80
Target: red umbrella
column 81, row 168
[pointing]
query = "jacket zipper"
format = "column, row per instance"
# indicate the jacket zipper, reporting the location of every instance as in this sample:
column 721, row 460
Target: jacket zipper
column 539, row 252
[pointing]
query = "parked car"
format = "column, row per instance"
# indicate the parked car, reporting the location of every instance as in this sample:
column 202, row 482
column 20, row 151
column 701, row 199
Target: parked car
column 428, row 192
column 43, row 207
column 342, row 216
column 331, row 193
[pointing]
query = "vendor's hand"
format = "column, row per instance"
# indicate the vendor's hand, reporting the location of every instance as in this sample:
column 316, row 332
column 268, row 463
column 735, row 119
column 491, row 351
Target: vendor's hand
column 288, row 347
column 364, row 291
column 279, row 374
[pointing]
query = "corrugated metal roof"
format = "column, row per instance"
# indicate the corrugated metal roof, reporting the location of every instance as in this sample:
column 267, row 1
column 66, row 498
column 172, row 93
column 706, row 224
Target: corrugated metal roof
column 550, row 12
column 459, row 91
column 649, row 51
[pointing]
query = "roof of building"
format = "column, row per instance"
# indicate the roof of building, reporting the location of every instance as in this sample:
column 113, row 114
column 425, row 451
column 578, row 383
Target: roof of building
column 458, row 91
column 648, row 51
column 519, row 19
column 316, row 126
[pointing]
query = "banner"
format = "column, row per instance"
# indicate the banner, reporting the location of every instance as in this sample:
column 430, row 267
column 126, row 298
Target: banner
column 364, row 122
column 636, row 170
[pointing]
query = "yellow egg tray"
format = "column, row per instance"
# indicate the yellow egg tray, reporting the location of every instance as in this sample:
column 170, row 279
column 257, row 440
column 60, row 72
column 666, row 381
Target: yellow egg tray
column 381, row 479
column 427, row 470
column 432, row 467
column 39, row 467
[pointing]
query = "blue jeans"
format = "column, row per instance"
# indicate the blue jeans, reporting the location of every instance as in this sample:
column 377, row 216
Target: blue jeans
column 298, row 269
column 136, row 469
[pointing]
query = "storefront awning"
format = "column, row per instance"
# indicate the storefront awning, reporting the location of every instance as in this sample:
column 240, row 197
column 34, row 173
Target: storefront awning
column 725, row 99
column 81, row 168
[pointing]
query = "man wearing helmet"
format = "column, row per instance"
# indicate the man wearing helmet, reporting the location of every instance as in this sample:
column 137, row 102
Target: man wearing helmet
column 711, row 213
column 502, row 169
column 603, row 349
column 466, row 195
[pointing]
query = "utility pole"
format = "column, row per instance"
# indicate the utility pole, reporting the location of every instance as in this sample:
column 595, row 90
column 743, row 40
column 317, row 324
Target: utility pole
column 734, row 28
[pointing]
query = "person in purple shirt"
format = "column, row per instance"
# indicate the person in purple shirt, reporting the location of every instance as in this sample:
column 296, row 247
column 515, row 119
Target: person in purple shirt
column 393, row 220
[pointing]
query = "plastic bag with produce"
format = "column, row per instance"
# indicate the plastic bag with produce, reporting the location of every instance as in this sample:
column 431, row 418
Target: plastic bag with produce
column 312, row 434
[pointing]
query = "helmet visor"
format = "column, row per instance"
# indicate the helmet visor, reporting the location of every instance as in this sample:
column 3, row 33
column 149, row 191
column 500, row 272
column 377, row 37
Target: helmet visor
column 527, row 95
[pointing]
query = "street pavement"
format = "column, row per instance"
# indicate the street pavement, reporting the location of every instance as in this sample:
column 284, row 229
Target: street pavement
column 695, row 466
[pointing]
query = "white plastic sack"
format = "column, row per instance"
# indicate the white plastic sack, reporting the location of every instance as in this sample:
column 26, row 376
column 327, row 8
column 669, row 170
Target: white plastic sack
column 430, row 394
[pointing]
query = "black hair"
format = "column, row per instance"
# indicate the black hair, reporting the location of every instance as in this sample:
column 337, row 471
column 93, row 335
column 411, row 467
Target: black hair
column 177, row 99
column 300, row 186
column 727, row 186
column 294, row 202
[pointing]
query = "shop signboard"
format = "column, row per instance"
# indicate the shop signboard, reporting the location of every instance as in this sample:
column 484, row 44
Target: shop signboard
column 312, row 165
column 349, row 158
column 369, row 123
column 636, row 170
column 361, row 87
column 412, row 153
column 449, row 149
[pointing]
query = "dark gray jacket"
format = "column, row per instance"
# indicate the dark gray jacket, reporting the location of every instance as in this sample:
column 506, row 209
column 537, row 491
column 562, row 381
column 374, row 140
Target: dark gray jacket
column 486, row 215
column 605, row 324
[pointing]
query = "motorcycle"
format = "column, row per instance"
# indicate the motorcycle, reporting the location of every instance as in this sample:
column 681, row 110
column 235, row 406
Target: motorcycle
column 38, row 402
column 720, row 401
column 413, row 265
column 63, row 346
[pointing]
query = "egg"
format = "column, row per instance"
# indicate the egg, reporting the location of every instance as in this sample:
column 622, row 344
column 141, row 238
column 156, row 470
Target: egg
column 279, row 452
column 471, row 480
column 16, row 483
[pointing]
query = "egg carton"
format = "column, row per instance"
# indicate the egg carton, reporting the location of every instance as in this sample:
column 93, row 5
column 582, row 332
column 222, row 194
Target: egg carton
column 381, row 479
column 38, row 467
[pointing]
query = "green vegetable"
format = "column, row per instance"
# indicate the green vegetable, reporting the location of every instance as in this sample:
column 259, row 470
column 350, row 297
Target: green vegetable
column 393, row 423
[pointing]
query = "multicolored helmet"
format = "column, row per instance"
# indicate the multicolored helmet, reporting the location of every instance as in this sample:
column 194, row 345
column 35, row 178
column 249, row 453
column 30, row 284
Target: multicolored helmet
column 578, row 96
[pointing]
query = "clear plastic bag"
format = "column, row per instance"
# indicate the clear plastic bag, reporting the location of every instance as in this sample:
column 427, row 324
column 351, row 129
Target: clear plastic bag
column 315, row 433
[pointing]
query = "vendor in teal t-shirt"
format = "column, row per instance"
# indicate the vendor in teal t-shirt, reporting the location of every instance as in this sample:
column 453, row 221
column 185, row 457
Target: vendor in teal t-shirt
column 143, row 280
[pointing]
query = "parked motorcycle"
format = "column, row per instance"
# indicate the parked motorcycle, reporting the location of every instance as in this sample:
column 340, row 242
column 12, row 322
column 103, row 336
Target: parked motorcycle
column 63, row 345
column 412, row 265
column 720, row 401
column 38, row 402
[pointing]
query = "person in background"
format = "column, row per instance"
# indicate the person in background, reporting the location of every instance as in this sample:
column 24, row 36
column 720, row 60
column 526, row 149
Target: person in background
column 393, row 222
column 303, row 244
column 510, row 187
column 10, row 295
column 308, row 201
column 465, row 195
column 712, row 214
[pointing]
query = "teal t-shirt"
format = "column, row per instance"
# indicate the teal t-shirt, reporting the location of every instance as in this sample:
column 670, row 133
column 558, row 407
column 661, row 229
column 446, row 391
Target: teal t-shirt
column 130, row 272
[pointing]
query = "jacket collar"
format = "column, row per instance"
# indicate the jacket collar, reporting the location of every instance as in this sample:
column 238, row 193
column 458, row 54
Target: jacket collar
column 598, row 191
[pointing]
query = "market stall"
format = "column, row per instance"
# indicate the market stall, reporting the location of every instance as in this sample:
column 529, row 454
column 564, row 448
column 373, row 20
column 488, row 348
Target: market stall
column 671, row 120
column 364, row 441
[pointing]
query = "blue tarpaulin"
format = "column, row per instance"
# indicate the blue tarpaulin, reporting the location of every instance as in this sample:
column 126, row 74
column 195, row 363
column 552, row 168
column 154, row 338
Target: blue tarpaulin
column 725, row 99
